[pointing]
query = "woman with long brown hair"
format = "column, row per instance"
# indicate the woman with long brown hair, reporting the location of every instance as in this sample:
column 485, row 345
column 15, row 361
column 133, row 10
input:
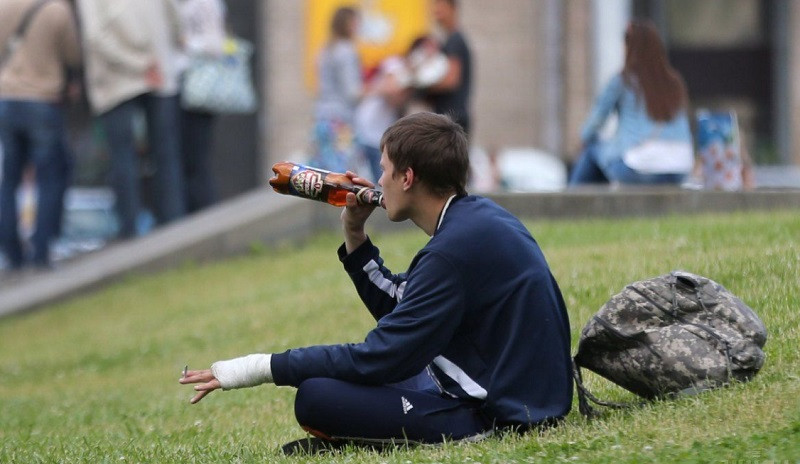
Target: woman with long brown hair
column 653, row 141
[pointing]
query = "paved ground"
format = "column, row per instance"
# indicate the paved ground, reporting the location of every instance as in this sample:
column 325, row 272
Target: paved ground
column 263, row 218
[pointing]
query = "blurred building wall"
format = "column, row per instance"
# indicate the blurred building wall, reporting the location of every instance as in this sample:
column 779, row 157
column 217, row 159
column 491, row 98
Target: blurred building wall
column 793, row 38
column 517, row 51
column 505, row 69
column 287, row 102
column 578, row 66
column 510, row 40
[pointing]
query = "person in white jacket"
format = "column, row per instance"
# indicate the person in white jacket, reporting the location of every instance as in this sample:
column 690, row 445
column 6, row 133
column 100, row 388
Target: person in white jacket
column 130, row 49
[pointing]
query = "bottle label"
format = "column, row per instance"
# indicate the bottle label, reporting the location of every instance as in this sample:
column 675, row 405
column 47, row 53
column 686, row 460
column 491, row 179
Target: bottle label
column 306, row 182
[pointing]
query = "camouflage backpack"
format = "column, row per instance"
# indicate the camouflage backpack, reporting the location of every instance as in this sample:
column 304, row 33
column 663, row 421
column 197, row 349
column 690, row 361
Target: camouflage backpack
column 674, row 334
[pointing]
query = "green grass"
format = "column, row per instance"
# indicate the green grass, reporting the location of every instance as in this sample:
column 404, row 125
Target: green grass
column 94, row 379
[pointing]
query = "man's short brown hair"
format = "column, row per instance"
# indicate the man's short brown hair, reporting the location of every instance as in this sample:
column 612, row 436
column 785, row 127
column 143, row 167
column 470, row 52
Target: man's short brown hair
column 434, row 147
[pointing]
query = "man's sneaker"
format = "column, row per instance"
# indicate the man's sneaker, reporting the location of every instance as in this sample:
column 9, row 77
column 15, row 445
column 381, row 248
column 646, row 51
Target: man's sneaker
column 311, row 445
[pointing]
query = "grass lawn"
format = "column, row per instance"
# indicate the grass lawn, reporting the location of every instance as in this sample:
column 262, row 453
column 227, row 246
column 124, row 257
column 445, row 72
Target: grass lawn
column 94, row 379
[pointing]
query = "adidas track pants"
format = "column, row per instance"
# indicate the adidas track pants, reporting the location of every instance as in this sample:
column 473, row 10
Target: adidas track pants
column 334, row 409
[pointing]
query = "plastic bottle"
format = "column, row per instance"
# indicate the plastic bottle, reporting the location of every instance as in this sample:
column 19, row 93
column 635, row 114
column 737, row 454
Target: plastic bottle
column 319, row 184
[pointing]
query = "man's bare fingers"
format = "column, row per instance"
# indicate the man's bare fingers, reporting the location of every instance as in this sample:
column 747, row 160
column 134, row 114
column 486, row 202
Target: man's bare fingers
column 204, row 375
column 360, row 180
column 199, row 396
column 364, row 182
column 204, row 389
column 350, row 199
column 212, row 385
column 191, row 379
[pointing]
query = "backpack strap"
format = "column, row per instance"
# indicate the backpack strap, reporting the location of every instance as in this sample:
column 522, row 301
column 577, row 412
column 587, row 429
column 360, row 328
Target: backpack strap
column 585, row 398
column 15, row 40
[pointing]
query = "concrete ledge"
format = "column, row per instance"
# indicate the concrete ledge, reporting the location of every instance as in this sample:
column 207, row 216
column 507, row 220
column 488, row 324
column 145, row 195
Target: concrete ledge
column 600, row 202
column 262, row 218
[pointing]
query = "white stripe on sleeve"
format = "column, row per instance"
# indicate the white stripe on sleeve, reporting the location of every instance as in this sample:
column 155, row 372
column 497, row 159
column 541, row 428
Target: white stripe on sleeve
column 387, row 286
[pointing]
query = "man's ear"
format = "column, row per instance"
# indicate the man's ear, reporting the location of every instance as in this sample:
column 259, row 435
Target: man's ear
column 408, row 179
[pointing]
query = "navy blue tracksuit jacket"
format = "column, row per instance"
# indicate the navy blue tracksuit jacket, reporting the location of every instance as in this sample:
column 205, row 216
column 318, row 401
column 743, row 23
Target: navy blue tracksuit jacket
column 478, row 307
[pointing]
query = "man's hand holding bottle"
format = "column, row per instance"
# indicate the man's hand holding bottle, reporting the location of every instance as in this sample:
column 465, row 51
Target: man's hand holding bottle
column 355, row 214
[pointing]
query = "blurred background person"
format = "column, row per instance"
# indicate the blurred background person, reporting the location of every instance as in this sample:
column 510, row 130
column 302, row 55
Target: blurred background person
column 339, row 91
column 131, row 68
column 451, row 94
column 32, row 130
column 204, row 35
column 428, row 66
column 651, row 101
column 391, row 92
column 387, row 94
column 384, row 97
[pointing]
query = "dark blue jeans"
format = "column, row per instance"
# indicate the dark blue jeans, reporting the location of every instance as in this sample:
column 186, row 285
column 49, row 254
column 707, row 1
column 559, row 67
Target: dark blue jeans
column 32, row 133
column 587, row 170
column 161, row 115
column 196, row 138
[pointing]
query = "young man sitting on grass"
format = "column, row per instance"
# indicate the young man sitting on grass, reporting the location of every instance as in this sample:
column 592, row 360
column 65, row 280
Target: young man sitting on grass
column 472, row 338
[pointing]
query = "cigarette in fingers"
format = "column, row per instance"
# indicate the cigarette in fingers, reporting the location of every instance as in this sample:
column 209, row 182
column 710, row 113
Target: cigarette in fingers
column 185, row 370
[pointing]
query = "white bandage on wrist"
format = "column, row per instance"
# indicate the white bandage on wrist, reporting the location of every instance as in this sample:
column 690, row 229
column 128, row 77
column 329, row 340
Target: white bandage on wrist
column 247, row 371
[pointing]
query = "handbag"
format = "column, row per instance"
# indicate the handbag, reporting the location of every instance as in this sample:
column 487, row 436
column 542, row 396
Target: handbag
column 656, row 156
column 720, row 150
column 221, row 84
